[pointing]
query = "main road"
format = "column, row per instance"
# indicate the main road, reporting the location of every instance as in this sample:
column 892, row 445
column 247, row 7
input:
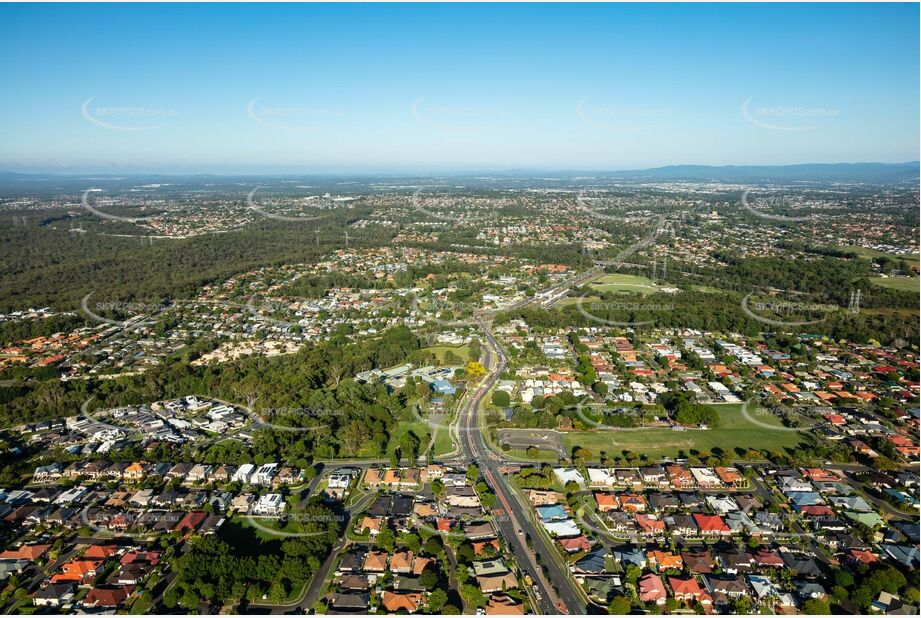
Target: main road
column 560, row 596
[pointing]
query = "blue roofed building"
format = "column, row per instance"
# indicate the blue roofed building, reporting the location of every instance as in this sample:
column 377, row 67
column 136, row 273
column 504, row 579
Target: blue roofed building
column 443, row 387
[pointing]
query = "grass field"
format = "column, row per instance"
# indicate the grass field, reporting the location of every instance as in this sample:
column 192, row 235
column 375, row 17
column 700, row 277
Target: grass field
column 440, row 350
column 863, row 252
column 904, row 284
column 443, row 442
column 617, row 282
column 734, row 431
column 419, row 428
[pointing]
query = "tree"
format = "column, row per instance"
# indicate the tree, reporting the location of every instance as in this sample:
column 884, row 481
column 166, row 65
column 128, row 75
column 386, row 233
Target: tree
column 171, row 597
column 189, row 599
column 410, row 541
column 429, row 579
column 501, row 399
column 437, row 600
column 472, row 595
column 386, row 539
column 473, row 473
column 815, row 607
column 619, row 606
column 475, row 371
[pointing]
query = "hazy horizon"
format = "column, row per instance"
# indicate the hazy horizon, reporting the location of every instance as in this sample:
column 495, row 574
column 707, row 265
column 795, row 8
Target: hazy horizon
column 438, row 88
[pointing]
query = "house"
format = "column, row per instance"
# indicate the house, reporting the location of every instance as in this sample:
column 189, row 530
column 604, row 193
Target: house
column 352, row 561
column 242, row 503
column 562, row 529
column 264, row 474
column 575, row 544
column 482, row 530
column 490, row 567
column 402, row 562
column 371, row 524
column 724, row 590
column 663, row 560
column 12, row 567
column 191, row 521
column 711, row 524
column 77, row 571
column 592, row 563
column 540, row 497
column 479, row 547
column 351, row 602
column 243, row 473
column 650, row 524
column 132, row 574
column 735, row 561
column 26, row 552
column 688, row 590
column 551, row 512
column 888, row 603
column 223, row 473
column 179, row 471
column 395, row 602
column 654, row 475
column 606, row 502
column 730, row 476
column 630, row 555
column 200, row 473
column 763, row 587
column 287, row 476
column 375, row 562
column 679, row 477
column 101, row 551
column 48, row 474
column 566, row 475
column 700, row 561
column 497, row 583
column 54, row 595
column 339, row 481
column 652, row 590
column 766, row 557
column 801, row 564
column 706, row 478
column 443, row 387
column 632, row 503
column 722, row 504
column 270, row 505
column 503, row 605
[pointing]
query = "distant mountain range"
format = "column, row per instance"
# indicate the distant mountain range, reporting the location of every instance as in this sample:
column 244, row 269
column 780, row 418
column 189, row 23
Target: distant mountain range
column 871, row 173
column 821, row 172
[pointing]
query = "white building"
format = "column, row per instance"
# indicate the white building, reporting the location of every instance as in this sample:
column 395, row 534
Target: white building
column 243, row 473
column 265, row 474
column 269, row 504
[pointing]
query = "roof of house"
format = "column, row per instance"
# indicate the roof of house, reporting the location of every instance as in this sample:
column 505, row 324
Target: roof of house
column 109, row 596
column 395, row 601
column 26, row 552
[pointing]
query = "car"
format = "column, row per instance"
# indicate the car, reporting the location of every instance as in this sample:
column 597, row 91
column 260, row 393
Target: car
column 536, row 592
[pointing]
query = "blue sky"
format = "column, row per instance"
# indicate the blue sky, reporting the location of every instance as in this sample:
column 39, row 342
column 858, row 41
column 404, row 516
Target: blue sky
column 316, row 88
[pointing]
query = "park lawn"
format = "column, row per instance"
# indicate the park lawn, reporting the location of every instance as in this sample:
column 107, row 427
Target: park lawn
column 419, row 428
column 443, row 442
column 547, row 455
column 440, row 351
column 617, row 282
column 573, row 300
column 911, row 258
column 734, row 431
column 904, row 284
